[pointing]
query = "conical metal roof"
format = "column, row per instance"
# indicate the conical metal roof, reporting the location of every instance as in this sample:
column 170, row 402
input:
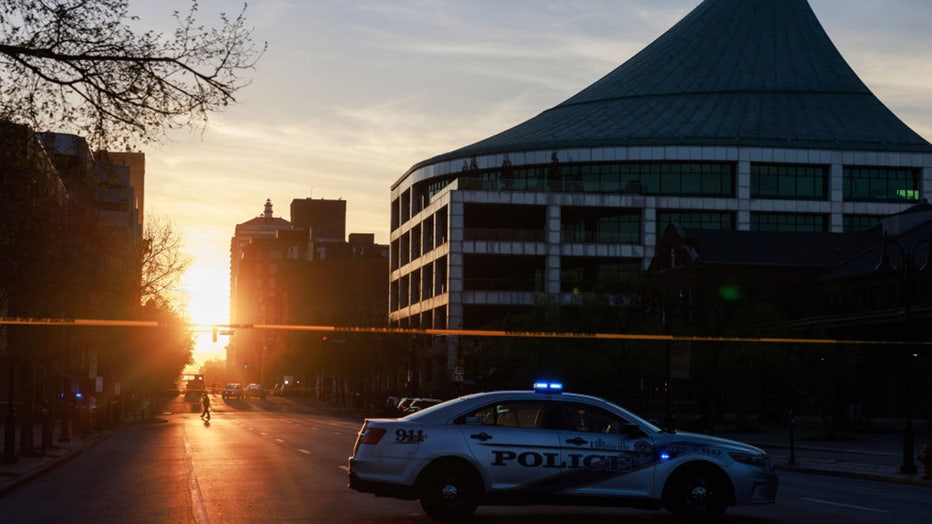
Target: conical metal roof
column 732, row 72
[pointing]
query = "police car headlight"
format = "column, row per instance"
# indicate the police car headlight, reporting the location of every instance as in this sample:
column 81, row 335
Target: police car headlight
column 760, row 460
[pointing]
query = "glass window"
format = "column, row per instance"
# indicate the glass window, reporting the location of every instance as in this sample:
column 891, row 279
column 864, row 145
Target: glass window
column 666, row 178
column 600, row 225
column 789, row 181
column 593, row 274
column 693, row 185
column 696, row 220
column 888, row 184
column 511, row 413
column 590, row 419
column 788, row 222
column 682, row 178
column 860, row 222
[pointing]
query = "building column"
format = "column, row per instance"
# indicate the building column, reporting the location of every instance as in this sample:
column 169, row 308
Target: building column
column 925, row 188
column 648, row 232
column 455, row 225
column 743, row 187
column 836, row 192
column 553, row 242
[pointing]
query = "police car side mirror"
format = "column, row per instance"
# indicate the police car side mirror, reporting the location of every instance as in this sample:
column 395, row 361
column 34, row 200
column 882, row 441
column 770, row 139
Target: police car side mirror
column 661, row 426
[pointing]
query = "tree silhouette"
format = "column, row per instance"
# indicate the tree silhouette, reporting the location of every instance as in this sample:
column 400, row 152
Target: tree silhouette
column 163, row 262
column 79, row 66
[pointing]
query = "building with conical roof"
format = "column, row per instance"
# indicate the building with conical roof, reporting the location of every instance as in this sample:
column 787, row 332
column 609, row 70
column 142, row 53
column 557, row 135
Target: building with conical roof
column 743, row 116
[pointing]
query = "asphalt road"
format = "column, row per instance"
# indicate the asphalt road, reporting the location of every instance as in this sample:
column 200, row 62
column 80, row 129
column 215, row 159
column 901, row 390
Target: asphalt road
column 261, row 461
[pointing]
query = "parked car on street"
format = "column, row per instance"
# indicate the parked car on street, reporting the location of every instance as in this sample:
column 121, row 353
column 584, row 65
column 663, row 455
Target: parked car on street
column 255, row 391
column 233, row 390
column 421, row 403
column 288, row 390
column 403, row 404
column 549, row 447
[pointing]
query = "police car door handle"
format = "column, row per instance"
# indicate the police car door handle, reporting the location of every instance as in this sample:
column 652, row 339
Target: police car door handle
column 481, row 436
column 578, row 441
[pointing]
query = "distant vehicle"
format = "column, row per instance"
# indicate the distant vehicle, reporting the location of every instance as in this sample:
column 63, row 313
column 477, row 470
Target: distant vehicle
column 421, row 403
column 549, row 447
column 193, row 386
column 288, row 390
column 255, row 391
column 233, row 390
column 403, row 404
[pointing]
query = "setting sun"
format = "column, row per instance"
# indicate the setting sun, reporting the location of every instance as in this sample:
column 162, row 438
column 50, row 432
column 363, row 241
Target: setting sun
column 208, row 290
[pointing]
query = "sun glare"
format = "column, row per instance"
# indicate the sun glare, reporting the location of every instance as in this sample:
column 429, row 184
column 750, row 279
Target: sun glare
column 208, row 295
column 208, row 290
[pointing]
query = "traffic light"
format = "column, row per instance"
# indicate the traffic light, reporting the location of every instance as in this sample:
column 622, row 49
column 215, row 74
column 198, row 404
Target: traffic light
column 213, row 334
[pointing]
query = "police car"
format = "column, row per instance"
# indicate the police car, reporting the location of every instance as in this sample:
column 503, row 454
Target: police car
column 544, row 446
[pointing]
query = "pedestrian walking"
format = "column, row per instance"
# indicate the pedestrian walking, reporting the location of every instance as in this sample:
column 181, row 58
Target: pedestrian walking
column 205, row 400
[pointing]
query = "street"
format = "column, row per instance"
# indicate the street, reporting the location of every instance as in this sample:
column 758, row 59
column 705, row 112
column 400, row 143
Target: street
column 272, row 461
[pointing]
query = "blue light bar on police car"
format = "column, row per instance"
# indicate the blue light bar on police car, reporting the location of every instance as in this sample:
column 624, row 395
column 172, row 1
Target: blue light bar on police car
column 548, row 387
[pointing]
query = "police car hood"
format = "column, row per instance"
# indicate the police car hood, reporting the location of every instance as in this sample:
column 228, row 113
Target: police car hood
column 709, row 440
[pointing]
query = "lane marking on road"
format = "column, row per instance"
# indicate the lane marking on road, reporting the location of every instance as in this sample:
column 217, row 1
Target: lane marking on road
column 280, row 441
column 306, row 452
column 849, row 506
column 197, row 497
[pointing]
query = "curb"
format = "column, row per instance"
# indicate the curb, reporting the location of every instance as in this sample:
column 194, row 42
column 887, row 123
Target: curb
column 49, row 462
column 853, row 475
column 32, row 473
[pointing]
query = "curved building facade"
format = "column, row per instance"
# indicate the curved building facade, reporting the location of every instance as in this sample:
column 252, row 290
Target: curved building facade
column 743, row 116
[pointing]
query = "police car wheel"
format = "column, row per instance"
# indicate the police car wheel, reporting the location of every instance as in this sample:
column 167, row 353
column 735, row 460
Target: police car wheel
column 697, row 493
column 450, row 492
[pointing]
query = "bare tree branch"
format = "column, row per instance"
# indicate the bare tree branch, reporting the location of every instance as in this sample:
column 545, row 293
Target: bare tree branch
column 164, row 262
column 77, row 66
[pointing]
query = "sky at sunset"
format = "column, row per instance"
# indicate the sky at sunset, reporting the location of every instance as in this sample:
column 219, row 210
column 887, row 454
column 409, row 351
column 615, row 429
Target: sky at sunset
column 350, row 94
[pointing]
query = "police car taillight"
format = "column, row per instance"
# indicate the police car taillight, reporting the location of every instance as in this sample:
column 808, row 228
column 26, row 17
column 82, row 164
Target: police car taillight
column 371, row 435
column 548, row 387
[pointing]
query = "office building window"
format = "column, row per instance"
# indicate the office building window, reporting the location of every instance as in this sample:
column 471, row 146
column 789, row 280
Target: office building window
column 860, row 222
column 789, row 181
column 886, row 184
column 592, row 274
column 660, row 178
column 715, row 179
column 600, row 225
column 788, row 222
column 696, row 220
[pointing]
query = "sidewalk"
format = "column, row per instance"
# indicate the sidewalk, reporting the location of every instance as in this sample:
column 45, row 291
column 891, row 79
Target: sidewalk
column 29, row 465
column 865, row 455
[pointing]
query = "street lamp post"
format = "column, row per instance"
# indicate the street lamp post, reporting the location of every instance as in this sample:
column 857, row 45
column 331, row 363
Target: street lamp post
column 907, row 272
column 668, row 421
